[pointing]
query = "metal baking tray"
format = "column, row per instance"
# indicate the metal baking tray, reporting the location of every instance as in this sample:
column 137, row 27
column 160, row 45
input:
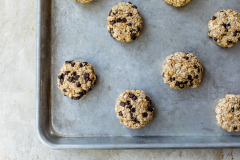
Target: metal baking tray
column 70, row 30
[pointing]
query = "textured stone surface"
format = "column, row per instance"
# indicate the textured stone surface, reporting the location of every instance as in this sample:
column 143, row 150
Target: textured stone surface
column 18, row 139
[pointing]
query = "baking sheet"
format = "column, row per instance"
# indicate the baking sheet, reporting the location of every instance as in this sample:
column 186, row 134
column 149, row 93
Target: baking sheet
column 79, row 32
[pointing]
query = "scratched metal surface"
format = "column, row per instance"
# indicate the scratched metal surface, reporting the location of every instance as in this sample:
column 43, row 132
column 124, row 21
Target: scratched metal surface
column 79, row 32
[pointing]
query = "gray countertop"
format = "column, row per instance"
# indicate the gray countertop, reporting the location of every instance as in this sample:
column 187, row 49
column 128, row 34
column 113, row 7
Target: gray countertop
column 18, row 139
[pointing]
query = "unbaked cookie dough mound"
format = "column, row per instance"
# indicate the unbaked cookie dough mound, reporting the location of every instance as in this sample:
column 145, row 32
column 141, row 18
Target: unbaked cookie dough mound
column 228, row 113
column 84, row 1
column 182, row 70
column 124, row 22
column 76, row 79
column 177, row 3
column 224, row 28
column 134, row 109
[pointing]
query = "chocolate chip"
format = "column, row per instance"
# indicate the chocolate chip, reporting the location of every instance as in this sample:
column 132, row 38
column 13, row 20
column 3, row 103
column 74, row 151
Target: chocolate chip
column 230, row 42
column 189, row 77
column 60, row 76
column 132, row 118
column 196, row 77
column 134, row 6
column 129, row 106
column 70, row 79
column 78, row 84
column 224, row 25
column 147, row 98
column 173, row 78
column 86, row 79
column 86, row 75
column 74, row 73
column 195, row 66
column 115, row 12
column 124, row 20
column 133, row 110
column 85, row 63
column 66, row 72
column 191, row 84
column 213, row 18
column 109, row 14
column 76, row 98
column 73, row 81
column 131, row 95
column 130, row 14
column 228, row 24
column 61, row 81
column 118, row 20
column 234, row 33
column 73, row 64
column 80, row 94
column 145, row 114
column 177, row 83
column 150, row 109
column 112, row 22
column 134, row 98
column 76, row 77
column 233, row 109
column 209, row 31
column 111, row 30
column 137, row 121
column 64, row 90
column 127, row 102
column 221, row 11
column 84, row 92
column 68, row 61
column 138, row 28
column 234, row 128
column 129, row 2
column 163, row 74
column 129, row 24
column 215, row 39
column 133, row 36
column 122, row 104
column 80, row 65
column 120, row 113
column 186, row 58
column 186, row 82
column 89, row 88
column 238, row 39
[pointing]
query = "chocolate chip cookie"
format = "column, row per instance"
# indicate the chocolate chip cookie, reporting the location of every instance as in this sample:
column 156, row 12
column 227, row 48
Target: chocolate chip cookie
column 228, row 113
column 224, row 28
column 182, row 70
column 84, row 1
column 177, row 3
column 134, row 109
column 124, row 22
column 76, row 79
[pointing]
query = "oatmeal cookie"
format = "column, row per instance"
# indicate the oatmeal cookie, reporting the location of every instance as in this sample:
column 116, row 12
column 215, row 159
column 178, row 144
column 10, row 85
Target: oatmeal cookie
column 228, row 113
column 182, row 70
column 134, row 109
column 224, row 28
column 76, row 79
column 124, row 22
column 84, row 1
column 177, row 3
